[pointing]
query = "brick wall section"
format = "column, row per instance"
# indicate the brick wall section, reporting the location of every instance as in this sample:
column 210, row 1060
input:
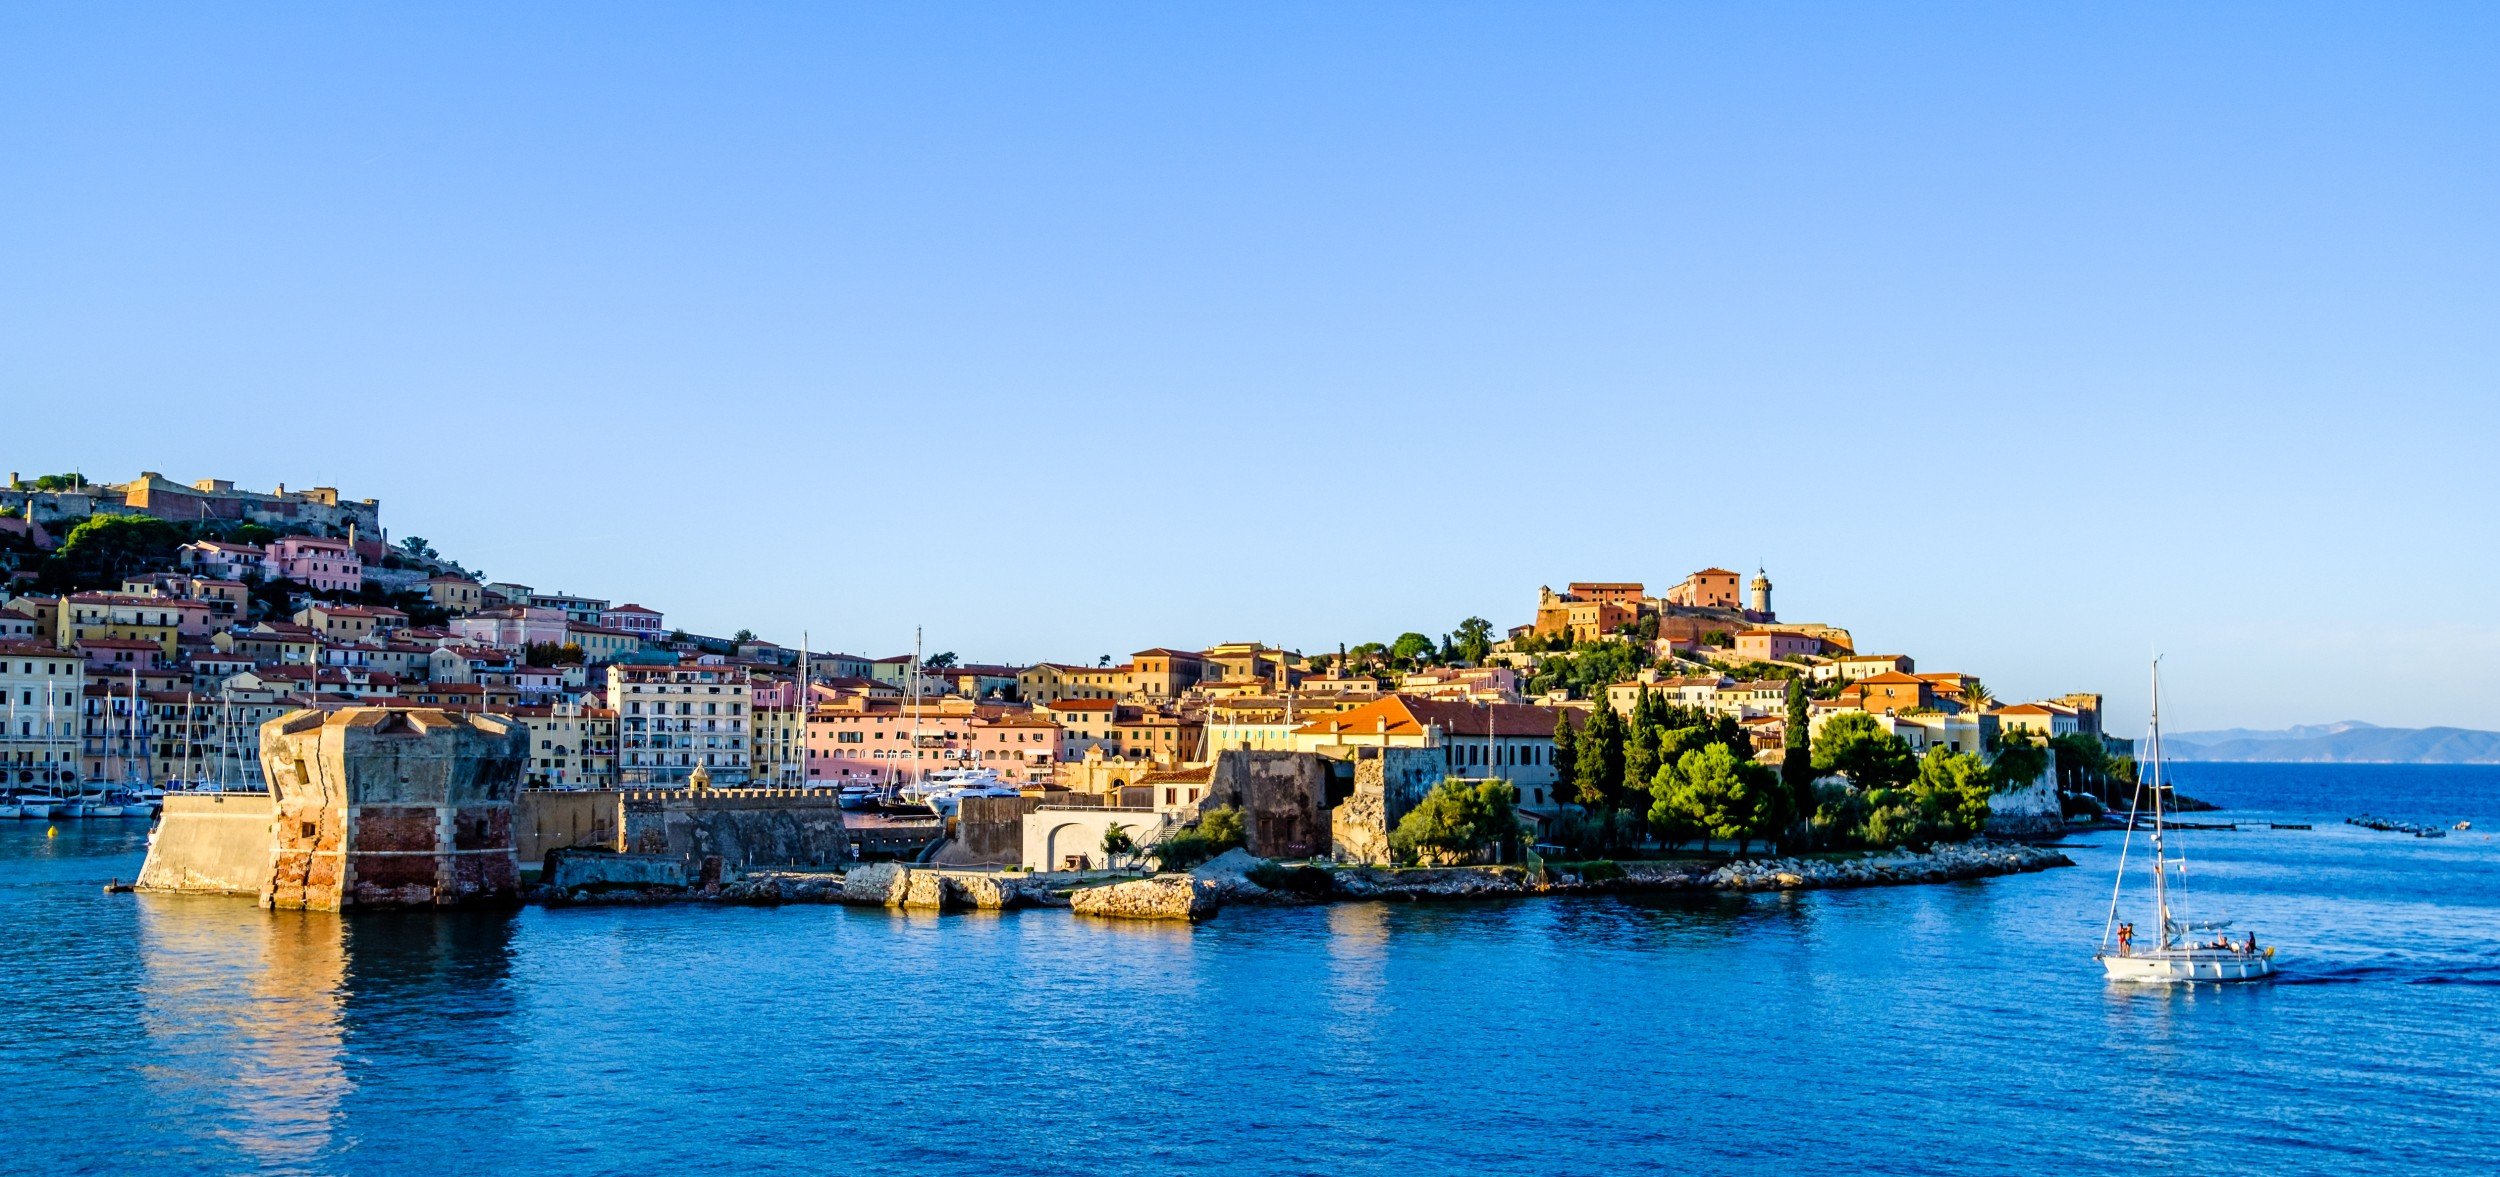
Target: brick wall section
column 379, row 807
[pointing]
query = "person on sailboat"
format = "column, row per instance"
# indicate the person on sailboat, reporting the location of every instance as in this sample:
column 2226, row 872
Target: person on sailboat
column 2126, row 939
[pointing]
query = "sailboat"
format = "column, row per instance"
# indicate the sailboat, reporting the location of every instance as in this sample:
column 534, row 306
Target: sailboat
column 2179, row 954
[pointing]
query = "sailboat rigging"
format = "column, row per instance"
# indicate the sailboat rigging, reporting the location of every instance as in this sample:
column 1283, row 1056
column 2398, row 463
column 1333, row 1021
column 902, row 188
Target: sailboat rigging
column 2176, row 956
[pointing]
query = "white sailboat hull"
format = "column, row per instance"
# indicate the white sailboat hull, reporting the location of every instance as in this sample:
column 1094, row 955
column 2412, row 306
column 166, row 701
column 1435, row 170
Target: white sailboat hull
column 2187, row 966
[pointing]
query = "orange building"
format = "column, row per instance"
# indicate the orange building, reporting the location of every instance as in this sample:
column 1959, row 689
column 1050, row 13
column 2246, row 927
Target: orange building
column 1889, row 694
column 1710, row 588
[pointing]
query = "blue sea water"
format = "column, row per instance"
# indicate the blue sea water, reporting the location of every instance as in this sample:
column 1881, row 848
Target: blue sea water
column 1960, row 1028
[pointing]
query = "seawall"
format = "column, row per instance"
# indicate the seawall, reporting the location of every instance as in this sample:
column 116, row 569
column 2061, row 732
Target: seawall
column 211, row 843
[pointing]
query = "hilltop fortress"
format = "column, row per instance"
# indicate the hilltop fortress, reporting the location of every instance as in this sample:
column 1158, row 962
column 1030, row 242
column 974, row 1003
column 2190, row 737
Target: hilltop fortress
column 318, row 511
column 1702, row 609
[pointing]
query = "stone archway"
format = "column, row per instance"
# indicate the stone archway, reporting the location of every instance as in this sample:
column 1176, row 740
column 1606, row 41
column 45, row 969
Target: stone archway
column 1057, row 845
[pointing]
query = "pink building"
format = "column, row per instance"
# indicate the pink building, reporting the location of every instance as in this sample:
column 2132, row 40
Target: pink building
column 327, row 565
column 633, row 619
column 222, row 561
column 121, row 655
column 513, row 626
column 863, row 740
column 1770, row 645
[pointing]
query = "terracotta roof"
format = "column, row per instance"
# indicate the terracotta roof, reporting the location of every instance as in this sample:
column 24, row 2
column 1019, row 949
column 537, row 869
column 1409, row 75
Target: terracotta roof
column 1410, row 714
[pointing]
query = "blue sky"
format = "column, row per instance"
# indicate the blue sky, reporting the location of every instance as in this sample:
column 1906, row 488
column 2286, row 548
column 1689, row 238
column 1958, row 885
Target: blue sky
column 2024, row 340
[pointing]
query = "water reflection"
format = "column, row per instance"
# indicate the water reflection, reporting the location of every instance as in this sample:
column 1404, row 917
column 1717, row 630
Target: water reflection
column 275, row 1026
column 242, row 1010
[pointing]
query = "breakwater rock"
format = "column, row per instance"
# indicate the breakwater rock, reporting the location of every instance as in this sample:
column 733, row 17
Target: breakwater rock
column 1237, row 877
column 1163, row 897
column 883, row 884
column 888, row 884
column 1967, row 860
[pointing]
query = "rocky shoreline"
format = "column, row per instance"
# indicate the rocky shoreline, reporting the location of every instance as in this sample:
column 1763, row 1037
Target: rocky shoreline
column 1238, row 878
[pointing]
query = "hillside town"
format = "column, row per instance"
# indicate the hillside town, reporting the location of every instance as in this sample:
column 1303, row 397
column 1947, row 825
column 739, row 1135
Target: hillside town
column 150, row 629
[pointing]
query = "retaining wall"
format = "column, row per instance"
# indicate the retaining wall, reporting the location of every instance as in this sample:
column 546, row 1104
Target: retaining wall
column 744, row 827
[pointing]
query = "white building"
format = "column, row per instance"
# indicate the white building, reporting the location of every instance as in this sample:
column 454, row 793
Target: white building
column 45, row 688
column 672, row 719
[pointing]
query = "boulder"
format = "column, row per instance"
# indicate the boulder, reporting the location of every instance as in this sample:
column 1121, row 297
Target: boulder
column 878, row 884
column 927, row 890
column 1229, row 874
column 1163, row 897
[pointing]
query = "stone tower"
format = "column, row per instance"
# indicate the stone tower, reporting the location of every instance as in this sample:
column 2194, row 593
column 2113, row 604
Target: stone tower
column 392, row 807
column 1761, row 592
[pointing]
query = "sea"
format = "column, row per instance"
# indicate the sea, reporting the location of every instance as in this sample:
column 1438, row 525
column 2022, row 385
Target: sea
column 1955, row 1028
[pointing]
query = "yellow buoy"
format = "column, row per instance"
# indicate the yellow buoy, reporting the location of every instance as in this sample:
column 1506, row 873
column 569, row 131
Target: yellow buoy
column 52, row 831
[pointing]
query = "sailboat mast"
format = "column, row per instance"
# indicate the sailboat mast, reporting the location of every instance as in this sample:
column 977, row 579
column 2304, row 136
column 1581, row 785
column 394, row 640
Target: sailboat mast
column 2161, row 858
column 798, row 707
column 915, row 706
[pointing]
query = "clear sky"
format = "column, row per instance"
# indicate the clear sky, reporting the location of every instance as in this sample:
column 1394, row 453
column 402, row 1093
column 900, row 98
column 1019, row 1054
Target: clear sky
column 2021, row 338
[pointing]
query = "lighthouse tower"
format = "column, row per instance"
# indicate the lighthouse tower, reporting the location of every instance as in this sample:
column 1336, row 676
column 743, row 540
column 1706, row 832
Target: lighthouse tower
column 1762, row 594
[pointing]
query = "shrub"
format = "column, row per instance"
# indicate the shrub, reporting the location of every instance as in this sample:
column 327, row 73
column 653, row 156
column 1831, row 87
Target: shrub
column 1298, row 880
column 1216, row 831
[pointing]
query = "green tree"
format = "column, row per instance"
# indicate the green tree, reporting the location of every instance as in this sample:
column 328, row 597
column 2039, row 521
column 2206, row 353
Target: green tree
column 1713, row 791
column 942, row 660
column 1797, row 755
column 103, row 549
column 2083, row 765
column 1475, row 639
column 1116, row 844
column 1641, row 753
column 1216, row 831
column 1954, row 787
column 1458, row 820
column 1411, row 649
column 1598, row 767
column 1855, row 746
column 1976, row 698
column 1566, row 758
column 2018, row 761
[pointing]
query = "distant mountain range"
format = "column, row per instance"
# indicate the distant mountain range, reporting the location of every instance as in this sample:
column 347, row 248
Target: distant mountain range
column 2350, row 742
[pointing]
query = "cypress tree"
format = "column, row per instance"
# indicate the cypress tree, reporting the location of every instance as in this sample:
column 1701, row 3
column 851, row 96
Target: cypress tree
column 1601, row 759
column 1797, row 758
column 1566, row 754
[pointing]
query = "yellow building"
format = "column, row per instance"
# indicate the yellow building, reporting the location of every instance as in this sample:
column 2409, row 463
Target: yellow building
column 600, row 643
column 458, row 595
column 118, row 615
column 572, row 745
